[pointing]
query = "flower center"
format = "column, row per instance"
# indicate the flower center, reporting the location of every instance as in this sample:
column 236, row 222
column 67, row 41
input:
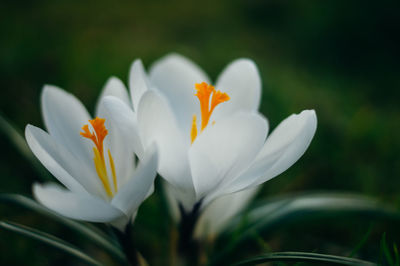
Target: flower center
column 204, row 92
column 97, row 136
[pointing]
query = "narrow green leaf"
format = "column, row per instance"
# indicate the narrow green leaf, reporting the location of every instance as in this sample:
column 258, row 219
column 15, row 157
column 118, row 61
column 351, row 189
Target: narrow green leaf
column 270, row 214
column 276, row 212
column 304, row 257
column 49, row 240
column 90, row 232
column 19, row 142
column 385, row 250
column 362, row 242
column 396, row 255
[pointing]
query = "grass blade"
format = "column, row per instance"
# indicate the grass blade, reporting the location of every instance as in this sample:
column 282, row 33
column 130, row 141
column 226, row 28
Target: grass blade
column 304, row 257
column 268, row 215
column 386, row 256
column 49, row 240
column 276, row 212
column 361, row 243
column 396, row 255
column 90, row 232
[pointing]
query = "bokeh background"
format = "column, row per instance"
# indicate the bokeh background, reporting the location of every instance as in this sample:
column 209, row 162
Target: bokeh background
column 340, row 58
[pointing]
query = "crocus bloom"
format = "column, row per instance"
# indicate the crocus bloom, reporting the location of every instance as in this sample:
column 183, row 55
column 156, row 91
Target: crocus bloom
column 91, row 159
column 212, row 140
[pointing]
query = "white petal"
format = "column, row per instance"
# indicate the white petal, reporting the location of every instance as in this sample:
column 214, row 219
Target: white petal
column 219, row 212
column 242, row 82
column 114, row 87
column 207, row 175
column 221, row 151
column 125, row 120
column 75, row 205
column 122, row 139
column 71, row 172
column 138, row 82
column 286, row 144
column 64, row 116
column 157, row 124
column 176, row 76
column 289, row 130
column 131, row 195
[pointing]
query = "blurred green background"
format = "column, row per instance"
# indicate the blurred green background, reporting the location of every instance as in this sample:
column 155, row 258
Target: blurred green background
column 340, row 58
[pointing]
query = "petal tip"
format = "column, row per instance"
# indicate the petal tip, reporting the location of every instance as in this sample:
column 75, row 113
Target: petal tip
column 28, row 131
column 136, row 63
column 50, row 92
column 136, row 67
column 310, row 114
column 111, row 80
column 28, row 127
column 49, row 89
column 37, row 190
column 171, row 58
column 244, row 64
column 245, row 61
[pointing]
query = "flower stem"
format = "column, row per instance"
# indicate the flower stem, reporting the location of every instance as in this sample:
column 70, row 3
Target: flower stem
column 187, row 246
column 128, row 245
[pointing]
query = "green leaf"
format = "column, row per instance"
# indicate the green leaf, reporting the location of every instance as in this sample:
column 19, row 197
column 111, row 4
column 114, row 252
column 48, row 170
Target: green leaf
column 304, row 257
column 19, row 142
column 90, row 232
column 49, row 240
column 396, row 255
column 277, row 212
column 362, row 242
column 386, row 256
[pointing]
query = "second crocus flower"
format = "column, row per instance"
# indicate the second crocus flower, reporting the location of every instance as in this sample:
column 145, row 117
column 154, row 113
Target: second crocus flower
column 212, row 140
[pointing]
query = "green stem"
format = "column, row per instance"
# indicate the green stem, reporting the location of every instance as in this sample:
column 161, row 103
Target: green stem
column 187, row 246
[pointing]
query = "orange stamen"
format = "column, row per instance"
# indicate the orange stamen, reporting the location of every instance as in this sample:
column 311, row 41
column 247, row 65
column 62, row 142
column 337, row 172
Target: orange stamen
column 204, row 92
column 97, row 136
column 217, row 98
column 100, row 133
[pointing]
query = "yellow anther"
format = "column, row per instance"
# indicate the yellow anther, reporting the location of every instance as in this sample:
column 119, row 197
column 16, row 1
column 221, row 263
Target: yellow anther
column 193, row 132
column 114, row 176
column 102, row 171
column 204, row 92
column 98, row 136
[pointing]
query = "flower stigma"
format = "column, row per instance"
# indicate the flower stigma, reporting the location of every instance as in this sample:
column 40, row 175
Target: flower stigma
column 204, row 92
column 97, row 136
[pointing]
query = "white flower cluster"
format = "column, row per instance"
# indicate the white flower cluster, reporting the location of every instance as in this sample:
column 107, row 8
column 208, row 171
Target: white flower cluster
column 209, row 143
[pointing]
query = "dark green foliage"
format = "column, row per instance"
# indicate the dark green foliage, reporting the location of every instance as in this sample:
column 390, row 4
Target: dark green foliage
column 49, row 240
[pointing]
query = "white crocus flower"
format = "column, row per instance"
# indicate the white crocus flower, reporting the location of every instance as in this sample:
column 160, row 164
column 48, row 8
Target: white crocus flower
column 91, row 159
column 212, row 140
